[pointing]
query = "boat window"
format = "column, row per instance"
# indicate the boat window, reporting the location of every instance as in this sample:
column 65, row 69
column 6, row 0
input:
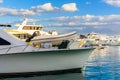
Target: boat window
column 38, row 28
column 4, row 42
column 26, row 28
column 32, row 28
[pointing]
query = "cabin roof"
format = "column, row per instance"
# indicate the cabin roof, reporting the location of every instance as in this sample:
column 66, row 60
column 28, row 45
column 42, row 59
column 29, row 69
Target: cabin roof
column 14, row 32
column 10, row 38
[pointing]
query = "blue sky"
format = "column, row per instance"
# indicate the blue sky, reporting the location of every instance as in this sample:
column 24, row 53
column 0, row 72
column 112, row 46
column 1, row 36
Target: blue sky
column 102, row 16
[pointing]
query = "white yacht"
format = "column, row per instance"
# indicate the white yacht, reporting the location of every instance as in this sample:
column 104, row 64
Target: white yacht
column 17, row 57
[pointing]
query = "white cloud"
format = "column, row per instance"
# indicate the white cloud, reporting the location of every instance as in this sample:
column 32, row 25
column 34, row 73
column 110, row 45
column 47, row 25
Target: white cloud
column 65, row 19
column 113, row 2
column 9, row 11
column 88, row 17
column 26, row 12
column 5, row 11
column 45, row 7
column 109, row 18
column 88, row 3
column 37, row 10
column 61, row 19
column 71, row 7
column 71, row 23
column 1, row 1
column 85, row 20
column 86, row 23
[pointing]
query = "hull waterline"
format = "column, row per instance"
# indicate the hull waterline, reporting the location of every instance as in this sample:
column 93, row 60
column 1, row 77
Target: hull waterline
column 43, row 61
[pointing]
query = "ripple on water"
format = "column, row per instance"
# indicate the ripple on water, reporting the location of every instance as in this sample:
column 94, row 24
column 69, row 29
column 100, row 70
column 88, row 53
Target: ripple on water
column 103, row 65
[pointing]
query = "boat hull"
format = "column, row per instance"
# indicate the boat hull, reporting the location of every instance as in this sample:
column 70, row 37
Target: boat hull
column 43, row 61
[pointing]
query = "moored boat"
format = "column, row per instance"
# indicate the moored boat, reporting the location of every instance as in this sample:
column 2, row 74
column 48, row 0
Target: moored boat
column 25, row 30
column 17, row 57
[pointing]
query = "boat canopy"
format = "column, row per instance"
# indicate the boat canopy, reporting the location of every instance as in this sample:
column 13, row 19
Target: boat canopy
column 11, row 39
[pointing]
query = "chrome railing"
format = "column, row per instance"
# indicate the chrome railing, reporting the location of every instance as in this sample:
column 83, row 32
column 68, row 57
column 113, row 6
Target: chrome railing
column 7, row 49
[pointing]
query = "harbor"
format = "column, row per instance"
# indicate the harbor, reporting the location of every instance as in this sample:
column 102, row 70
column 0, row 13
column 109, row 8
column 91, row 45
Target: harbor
column 59, row 40
column 43, row 54
column 39, row 55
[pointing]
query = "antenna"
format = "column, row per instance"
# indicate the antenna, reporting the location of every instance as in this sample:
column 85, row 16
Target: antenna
column 24, row 16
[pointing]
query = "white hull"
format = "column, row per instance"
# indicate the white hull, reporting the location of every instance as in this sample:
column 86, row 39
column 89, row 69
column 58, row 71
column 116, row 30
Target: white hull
column 43, row 60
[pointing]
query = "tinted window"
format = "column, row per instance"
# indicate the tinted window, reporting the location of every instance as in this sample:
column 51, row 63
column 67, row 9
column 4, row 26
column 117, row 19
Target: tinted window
column 4, row 42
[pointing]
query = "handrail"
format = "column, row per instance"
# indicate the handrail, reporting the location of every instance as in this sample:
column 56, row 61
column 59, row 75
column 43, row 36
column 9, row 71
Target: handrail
column 9, row 48
column 25, row 47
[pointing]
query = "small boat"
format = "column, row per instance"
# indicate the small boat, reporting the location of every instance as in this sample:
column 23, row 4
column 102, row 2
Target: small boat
column 18, row 57
column 55, row 40
column 114, row 43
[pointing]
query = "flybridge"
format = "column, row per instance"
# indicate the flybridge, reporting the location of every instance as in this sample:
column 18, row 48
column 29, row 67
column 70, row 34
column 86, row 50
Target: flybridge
column 5, row 25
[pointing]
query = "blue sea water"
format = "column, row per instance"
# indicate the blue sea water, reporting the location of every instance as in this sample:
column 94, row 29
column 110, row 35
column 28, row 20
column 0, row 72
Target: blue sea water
column 103, row 64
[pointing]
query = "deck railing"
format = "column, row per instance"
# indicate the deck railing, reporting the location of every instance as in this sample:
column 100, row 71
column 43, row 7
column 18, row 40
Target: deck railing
column 7, row 49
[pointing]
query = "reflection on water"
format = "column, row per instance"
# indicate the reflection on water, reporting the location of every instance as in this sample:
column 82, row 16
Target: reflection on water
column 104, row 64
column 69, row 76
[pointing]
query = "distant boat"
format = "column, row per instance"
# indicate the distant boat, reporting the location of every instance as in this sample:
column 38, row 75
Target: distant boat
column 115, row 43
column 17, row 57
column 5, row 25
column 25, row 32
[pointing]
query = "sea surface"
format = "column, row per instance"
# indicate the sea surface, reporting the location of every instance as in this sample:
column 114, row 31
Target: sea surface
column 103, row 64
